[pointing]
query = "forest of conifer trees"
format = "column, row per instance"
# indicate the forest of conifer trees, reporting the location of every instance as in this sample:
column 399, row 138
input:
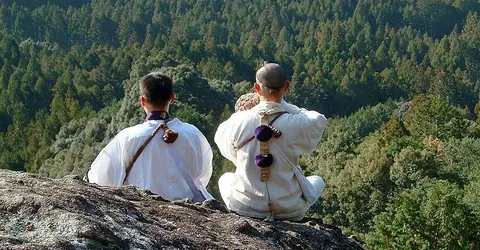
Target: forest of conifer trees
column 399, row 81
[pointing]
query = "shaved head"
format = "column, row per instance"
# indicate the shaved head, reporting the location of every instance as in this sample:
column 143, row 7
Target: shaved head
column 272, row 76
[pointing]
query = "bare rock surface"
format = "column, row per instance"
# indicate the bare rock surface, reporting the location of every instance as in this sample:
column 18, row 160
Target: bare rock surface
column 67, row 213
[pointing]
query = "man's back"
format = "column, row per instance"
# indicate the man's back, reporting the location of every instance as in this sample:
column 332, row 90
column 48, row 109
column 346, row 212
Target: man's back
column 159, row 166
column 301, row 131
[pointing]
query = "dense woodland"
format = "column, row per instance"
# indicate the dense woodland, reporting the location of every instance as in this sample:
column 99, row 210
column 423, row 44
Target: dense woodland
column 399, row 81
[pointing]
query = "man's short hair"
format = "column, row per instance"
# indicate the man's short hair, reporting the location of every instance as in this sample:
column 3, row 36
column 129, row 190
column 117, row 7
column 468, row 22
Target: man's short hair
column 271, row 76
column 156, row 88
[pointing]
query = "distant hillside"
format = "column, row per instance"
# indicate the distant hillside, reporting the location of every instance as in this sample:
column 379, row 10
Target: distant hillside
column 32, row 4
column 342, row 55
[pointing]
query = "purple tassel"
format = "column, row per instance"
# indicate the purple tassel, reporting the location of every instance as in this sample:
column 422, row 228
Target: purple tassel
column 264, row 161
column 263, row 133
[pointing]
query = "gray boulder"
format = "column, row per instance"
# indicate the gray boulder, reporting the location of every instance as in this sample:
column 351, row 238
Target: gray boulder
column 67, row 213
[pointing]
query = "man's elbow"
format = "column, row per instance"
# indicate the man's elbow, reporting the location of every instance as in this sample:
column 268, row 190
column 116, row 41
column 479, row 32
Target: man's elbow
column 218, row 138
column 322, row 121
column 316, row 119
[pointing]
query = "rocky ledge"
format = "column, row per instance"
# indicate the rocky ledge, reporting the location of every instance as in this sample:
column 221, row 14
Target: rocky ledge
column 40, row 213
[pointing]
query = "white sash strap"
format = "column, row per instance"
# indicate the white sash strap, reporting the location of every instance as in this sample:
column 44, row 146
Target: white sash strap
column 199, row 194
column 307, row 189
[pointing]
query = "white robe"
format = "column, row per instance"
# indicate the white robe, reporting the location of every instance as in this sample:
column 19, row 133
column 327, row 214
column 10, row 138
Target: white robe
column 156, row 167
column 291, row 193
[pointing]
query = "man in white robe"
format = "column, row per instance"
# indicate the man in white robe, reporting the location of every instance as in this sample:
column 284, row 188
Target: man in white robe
column 263, row 189
column 174, row 170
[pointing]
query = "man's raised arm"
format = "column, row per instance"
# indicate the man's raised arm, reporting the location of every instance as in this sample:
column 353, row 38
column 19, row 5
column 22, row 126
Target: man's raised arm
column 311, row 126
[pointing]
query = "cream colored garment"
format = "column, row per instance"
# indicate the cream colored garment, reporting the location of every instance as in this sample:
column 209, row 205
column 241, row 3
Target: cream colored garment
column 225, row 186
column 302, row 130
column 155, row 169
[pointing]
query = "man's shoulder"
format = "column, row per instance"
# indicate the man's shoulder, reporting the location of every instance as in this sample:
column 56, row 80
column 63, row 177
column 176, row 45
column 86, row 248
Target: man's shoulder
column 240, row 120
column 310, row 114
column 140, row 130
column 244, row 115
column 185, row 128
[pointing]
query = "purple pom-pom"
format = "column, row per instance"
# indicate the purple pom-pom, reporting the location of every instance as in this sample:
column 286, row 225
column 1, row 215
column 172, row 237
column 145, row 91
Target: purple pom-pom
column 263, row 133
column 264, row 161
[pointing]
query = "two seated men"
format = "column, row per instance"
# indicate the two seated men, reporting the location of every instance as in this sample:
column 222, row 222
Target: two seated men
column 264, row 142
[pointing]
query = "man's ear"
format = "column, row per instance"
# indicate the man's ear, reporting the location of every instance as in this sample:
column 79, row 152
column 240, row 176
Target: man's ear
column 258, row 89
column 287, row 86
column 143, row 101
column 172, row 99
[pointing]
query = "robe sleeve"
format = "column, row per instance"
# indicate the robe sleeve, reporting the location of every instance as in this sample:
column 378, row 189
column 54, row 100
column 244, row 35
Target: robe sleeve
column 205, row 152
column 311, row 126
column 290, row 108
column 107, row 168
column 224, row 139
